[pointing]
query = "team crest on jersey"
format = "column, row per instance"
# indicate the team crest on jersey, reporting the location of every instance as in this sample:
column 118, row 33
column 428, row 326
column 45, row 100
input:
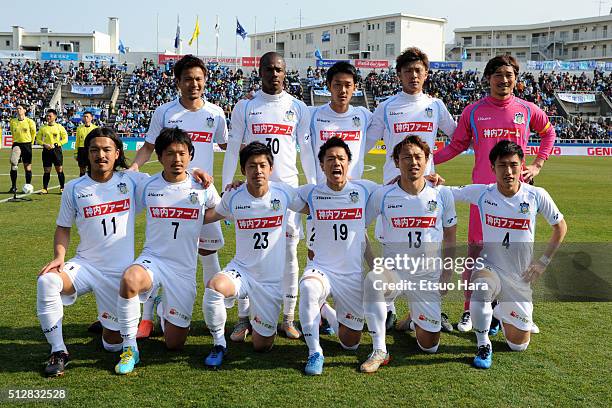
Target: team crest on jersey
column 122, row 188
column 289, row 116
column 275, row 204
column 354, row 195
column 519, row 118
column 356, row 121
column 432, row 205
column 193, row 198
column 524, row 208
column 210, row 121
column 429, row 112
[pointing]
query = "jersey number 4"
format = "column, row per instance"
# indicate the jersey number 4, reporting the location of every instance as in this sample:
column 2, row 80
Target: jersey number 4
column 261, row 240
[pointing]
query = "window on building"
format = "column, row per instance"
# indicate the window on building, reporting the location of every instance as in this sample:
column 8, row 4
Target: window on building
column 308, row 55
column 521, row 37
column 390, row 27
column 378, row 26
column 258, row 44
column 604, row 31
column 389, row 50
column 308, row 38
column 467, row 40
column 325, row 54
column 604, row 50
column 8, row 43
column 57, row 43
column 520, row 55
column 377, row 47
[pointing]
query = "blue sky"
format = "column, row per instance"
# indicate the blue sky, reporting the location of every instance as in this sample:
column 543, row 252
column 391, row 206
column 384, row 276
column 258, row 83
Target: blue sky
column 138, row 19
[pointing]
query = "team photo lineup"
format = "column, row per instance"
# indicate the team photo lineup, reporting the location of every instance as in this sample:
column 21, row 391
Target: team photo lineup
column 265, row 234
column 413, row 210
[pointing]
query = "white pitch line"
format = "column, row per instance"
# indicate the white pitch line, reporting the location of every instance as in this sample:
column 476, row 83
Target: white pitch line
column 24, row 195
column 368, row 167
column 40, row 175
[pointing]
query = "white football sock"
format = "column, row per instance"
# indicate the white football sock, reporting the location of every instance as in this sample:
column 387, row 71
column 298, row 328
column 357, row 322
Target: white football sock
column 391, row 306
column 517, row 347
column 375, row 315
column 215, row 315
column 290, row 279
column 160, row 315
column 482, row 314
column 128, row 314
column 147, row 308
column 50, row 309
column 243, row 308
column 113, row 348
column 329, row 314
column 210, row 266
column 430, row 350
column 310, row 315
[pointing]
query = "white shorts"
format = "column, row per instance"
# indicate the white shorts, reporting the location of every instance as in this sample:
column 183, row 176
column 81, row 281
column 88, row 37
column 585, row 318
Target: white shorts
column 265, row 300
column 347, row 292
column 211, row 237
column 294, row 225
column 514, row 297
column 85, row 278
column 179, row 290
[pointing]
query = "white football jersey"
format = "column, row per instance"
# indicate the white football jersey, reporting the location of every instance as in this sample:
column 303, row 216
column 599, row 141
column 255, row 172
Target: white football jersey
column 508, row 223
column 104, row 214
column 412, row 224
column 350, row 126
column 260, row 225
column 402, row 115
column 279, row 121
column 338, row 218
column 175, row 213
column 203, row 126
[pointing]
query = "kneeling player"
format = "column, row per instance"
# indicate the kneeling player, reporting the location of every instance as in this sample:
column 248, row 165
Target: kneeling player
column 175, row 203
column 337, row 210
column 417, row 220
column 259, row 208
column 101, row 204
column 508, row 211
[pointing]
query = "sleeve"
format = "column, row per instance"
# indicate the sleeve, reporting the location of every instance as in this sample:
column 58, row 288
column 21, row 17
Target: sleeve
column 373, row 206
column 39, row 136
column 139, row 198
column 446, row 123
column 548, row 208
column 303, row 139
column 32, row 130
column 63, row 136
column 221, row 132
column 449, row 215
column 12, row 127
column 376, row 128
column 469, row 194
column 460, row 141
column 296, row 203
column 67, row 211
column 541, row 125
column 155, row 126
column 223, row 207
column 303, row 192
column 235, row 140
column 212, row 197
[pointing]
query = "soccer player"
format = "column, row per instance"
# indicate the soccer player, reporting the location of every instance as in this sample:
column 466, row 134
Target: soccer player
column 419, row 221
column 260, row 210
column 409, row 112
column 337, row 208
column 102, row 205
column 175, row 203
column 508, row 211
column 52, row 136
column 496, row 117
column 81, row 133
column 23, row 130
column 280, row 121
column 204, row 122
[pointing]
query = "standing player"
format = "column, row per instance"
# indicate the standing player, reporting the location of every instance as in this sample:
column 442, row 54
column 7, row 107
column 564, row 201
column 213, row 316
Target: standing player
column 23, row 131
column 409, row 112
column 508, row 211
column 101, row 204
column 52, row 136
column 204, row 122
column 496, row 117
column 260, row 210
column 81, row 133
column 337, row 208
column 280, row 121
column 175, row 204
column 418, row 221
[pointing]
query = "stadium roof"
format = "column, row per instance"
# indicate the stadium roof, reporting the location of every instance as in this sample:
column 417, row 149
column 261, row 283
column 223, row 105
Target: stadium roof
column 438, row 20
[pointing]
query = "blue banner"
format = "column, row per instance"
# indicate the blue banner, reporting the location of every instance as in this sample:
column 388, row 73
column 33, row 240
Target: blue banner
column 325, row 37
column 446, row 65
column 326, row 63
column 59, row 56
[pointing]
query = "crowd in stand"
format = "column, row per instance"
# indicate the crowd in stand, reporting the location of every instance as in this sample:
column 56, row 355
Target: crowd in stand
column 33, row 82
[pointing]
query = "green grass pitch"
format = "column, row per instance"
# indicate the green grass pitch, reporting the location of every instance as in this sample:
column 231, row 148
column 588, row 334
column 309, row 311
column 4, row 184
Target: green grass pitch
column 566, row 364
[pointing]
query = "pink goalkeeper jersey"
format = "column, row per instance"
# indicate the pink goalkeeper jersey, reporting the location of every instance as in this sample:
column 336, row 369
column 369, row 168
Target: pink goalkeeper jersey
column 488, row 121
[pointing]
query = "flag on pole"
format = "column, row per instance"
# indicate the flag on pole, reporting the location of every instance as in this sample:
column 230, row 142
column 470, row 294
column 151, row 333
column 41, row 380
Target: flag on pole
column 240, row 30
column 196, row 31
column 217, row 28
column 121, row 47
column 177, row 38
column 317, row 54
